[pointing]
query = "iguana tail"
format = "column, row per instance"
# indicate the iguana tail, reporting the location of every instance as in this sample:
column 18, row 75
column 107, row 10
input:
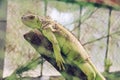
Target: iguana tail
column 99, row 76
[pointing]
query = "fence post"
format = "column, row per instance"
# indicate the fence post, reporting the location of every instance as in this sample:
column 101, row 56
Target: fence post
column 3, row 13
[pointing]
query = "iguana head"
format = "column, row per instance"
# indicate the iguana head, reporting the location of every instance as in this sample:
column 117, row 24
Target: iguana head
column 35, row 21
column 31, row 21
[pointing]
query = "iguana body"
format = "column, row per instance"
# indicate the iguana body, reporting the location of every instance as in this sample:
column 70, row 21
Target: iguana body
column 63, row 41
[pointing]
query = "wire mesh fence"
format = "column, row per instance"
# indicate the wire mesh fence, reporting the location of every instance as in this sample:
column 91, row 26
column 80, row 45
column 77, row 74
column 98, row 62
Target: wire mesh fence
column 98, row 30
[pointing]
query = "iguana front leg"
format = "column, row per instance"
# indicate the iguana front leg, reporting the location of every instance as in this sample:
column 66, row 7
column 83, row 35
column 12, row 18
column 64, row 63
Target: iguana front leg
column 48, row 33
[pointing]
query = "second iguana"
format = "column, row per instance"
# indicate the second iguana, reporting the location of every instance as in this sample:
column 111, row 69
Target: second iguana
column 63, row 41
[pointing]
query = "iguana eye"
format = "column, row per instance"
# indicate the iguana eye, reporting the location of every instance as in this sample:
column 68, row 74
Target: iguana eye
column 31, row 17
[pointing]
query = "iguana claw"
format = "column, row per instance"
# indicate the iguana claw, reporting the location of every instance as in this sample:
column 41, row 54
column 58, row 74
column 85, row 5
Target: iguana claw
column 60, row 62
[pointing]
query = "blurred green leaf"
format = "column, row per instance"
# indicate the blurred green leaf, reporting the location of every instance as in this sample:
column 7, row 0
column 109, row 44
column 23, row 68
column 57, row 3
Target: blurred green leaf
column 62, row 6
column 85, row 2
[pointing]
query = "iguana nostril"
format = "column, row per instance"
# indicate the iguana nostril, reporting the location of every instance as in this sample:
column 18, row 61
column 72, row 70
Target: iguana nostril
column 23, row 17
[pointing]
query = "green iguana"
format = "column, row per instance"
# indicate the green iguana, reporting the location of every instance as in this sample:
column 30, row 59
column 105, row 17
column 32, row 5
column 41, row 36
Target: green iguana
column 63, row 40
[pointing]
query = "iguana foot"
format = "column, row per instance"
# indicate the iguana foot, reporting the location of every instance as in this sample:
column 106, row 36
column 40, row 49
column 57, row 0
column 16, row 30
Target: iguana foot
column 60, row 63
